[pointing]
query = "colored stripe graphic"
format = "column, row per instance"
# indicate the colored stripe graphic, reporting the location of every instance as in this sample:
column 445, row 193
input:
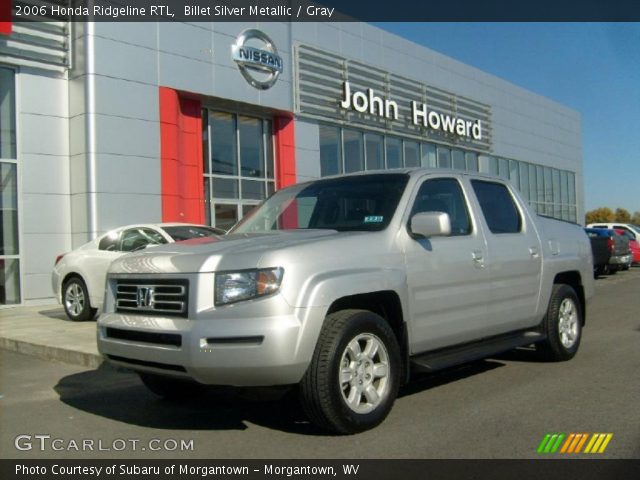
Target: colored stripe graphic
column 573, row 443
column 551, row 442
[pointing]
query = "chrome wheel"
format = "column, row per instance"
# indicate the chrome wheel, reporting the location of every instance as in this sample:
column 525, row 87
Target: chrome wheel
column 364, row 373
column 74, row 299
column 568, row 323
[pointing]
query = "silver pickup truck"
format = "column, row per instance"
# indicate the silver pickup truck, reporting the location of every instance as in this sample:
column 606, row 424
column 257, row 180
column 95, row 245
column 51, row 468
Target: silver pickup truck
column 345, row 285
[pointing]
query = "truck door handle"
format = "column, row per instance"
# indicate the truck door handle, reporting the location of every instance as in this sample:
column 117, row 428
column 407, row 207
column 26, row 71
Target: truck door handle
column 478, row 258
column 534, row 252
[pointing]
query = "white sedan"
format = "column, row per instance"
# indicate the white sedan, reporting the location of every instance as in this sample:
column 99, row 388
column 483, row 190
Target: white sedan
column 78, row 276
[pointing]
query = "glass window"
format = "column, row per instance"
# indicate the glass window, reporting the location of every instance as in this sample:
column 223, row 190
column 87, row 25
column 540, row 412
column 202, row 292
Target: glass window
column 186, row 232
column 488, row 164
column 251, row 147
column 524, row 180
column 548, row 185
column 533, row 185
column 8, row 209
column 358, row 203
column 498, row 207
column 133, row 239
column 330, row 151
column 444, row 195
column 226, row 216
column 429, row 157
column 225, row 187
column 223, row 143
column 9, row 281
column 457, row 160
column 394, row 152
column 253, row 190
column 564, row 188
column 411, row 154
column 374, row 151
column 503, row 168
column 472, row 161
column 7, row 114
column 444, row 158
column 154, row 236
column 109, row 242
column 514, row 173
column 556, row 186
column 540, row 182
column 571, row 177
column 353, row 151
column 268, row 147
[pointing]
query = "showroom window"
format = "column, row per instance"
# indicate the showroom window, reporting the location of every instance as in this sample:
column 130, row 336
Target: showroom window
column 238, row 165
column 9, row 237
column 549, row 191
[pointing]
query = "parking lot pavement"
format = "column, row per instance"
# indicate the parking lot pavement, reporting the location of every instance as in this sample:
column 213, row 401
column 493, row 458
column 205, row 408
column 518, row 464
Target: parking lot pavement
column 497, row 408
column 45, row 332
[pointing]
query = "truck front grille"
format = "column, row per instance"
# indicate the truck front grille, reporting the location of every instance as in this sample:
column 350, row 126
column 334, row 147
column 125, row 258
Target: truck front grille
column 166, row 297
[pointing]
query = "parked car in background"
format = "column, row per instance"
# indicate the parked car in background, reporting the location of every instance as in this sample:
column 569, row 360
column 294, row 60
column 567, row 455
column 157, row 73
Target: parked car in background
column 78, row 276
column 601, row 244
column 619, row 247
column 633, row 230
column 634, row 246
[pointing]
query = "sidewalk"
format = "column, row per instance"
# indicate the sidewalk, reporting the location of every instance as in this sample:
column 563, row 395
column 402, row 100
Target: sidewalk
column 44, row 331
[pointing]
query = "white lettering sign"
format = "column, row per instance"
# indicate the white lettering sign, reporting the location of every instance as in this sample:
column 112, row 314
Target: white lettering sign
column 369, row 102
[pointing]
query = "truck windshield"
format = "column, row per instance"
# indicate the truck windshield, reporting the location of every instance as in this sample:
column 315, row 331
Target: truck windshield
column 357, row 203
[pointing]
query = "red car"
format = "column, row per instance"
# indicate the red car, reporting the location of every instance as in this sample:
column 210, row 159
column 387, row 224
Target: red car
column 634, row 246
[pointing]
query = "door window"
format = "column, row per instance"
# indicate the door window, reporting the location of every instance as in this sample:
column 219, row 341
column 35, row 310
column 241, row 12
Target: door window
column 498, row 207
column 444, row 195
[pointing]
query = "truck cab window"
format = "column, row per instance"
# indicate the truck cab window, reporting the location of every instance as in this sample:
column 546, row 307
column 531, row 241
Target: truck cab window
column 444, row 195
column 498, row 207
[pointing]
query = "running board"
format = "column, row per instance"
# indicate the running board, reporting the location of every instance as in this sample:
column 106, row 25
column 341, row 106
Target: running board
column 459, row 354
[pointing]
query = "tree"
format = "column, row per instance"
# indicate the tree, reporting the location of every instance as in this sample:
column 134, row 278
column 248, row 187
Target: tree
column 602, row 214
column 623, row 215
column 636, row 218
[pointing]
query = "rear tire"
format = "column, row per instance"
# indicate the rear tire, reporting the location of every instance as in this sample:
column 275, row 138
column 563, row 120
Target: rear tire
column 75, row 298
column 171, row 388
column 354, row 376
column 562, row 325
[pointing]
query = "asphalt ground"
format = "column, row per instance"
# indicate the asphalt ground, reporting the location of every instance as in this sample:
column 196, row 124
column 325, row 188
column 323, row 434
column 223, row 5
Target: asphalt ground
column 496, row 408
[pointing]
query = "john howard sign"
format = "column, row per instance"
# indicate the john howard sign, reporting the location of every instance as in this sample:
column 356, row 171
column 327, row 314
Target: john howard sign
column 373, row 104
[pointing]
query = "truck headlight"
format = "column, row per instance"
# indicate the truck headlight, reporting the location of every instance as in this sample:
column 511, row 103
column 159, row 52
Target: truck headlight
column 234, row 287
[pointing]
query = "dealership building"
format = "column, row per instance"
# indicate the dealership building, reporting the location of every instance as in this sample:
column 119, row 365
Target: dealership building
column 111, row 123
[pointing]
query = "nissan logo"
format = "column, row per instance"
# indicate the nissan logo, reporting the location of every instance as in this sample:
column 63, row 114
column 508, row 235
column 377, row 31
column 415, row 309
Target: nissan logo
column 261, row 67
column 145, row 297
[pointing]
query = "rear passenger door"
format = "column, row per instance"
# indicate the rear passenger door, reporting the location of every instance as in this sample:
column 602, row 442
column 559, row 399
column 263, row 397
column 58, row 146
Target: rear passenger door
column 447, row 276
column 515, row 255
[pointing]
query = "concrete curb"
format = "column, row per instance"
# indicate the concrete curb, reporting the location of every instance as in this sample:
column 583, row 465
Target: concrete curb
column 48, row 352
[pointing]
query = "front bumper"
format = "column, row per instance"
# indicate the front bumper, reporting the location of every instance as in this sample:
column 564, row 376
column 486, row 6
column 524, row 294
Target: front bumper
column 256, row 343
column 620, row 259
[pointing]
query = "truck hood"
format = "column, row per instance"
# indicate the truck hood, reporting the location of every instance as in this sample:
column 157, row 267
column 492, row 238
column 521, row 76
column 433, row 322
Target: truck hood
column 229, row 252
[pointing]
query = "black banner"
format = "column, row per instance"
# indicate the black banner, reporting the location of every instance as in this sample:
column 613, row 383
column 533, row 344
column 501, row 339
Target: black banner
column 582, row 469
column 328, row 10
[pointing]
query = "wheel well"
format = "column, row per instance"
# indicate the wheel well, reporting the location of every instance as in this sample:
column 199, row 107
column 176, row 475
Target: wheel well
column 574, row 280
column 385, row 303
column 69, row 276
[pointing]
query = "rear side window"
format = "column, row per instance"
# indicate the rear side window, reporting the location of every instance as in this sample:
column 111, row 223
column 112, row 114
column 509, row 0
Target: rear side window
column 498, row 207
column 109, row 242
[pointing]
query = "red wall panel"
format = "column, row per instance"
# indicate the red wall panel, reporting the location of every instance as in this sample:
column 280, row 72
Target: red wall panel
column 285, row 142
column 181, row 158
column 5, row 17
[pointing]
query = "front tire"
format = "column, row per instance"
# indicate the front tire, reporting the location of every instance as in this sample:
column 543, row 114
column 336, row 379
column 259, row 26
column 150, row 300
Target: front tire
column 562, row 325
column 354, row 376
column 75, row 298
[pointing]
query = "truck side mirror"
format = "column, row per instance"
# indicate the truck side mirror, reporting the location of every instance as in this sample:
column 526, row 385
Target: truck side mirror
column 430, row 224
